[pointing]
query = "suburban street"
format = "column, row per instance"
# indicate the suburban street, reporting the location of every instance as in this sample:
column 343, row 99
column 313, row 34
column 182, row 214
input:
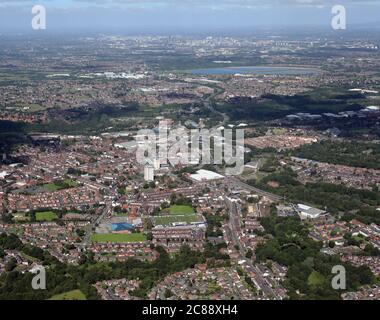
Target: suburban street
column 248, row 266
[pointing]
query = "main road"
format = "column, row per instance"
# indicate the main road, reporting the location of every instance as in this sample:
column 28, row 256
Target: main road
column 235, row 228
column 233, row 181
column 107, row 209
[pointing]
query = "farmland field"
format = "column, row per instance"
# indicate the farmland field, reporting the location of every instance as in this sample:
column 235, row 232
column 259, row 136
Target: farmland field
column 113, row 237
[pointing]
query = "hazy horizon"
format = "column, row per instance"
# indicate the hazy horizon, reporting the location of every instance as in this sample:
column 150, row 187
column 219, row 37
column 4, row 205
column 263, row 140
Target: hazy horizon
column 157, row 16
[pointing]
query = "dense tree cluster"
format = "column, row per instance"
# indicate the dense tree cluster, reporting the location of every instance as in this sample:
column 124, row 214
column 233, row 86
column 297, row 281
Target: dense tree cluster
column 214, row 224
column 309, row 271
column 350, row 153
column 335, row 198
column 271, row 106
column 180, row 200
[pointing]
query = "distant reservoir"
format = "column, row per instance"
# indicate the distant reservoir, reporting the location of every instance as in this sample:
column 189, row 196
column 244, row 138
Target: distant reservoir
column 256, row 70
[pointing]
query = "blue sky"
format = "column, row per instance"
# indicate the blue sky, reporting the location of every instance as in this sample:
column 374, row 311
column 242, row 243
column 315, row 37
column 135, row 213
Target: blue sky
column 137, row 15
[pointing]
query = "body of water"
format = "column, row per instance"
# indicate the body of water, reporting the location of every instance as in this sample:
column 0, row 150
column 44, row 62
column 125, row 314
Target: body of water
column 256, row 70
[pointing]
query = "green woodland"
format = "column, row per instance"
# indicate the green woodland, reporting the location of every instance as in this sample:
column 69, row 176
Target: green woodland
column 349, row 153
column 270, row 106
column 354, row 203
column 309, row 270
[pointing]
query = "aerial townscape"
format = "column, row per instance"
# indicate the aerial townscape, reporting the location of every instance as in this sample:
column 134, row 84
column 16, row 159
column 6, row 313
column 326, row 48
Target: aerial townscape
column 76, row 201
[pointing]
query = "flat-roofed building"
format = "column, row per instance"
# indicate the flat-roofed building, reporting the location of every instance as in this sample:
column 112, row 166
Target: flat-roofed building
column 307, row 212
column 206, row 175
column 149, row 173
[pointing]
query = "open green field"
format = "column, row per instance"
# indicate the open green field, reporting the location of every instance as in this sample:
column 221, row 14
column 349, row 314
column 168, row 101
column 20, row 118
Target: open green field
column 33, row 107
column 116, row 237
column 51, row 187
column 46, row 216
column 315, row 279
column 55, row 186
column 70, row 182
column 176, row 209
column 70, row 295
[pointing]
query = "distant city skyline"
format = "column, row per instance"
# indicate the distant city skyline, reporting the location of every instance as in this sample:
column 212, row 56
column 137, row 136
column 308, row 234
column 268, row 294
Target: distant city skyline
column 172, row 15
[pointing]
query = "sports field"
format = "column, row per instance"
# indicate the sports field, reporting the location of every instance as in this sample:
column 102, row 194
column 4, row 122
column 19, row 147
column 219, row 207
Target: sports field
column 46, row 216
column 165, row 220
column 176, row 213
column 70, row 295
column 115, row 237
